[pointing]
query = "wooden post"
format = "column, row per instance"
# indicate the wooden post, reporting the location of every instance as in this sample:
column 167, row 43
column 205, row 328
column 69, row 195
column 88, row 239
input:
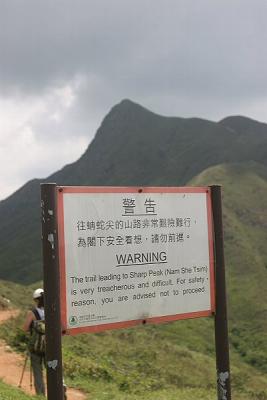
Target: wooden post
column 221, row 328
column 51, row 292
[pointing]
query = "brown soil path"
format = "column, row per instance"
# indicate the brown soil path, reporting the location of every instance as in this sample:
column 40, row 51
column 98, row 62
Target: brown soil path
column 11, row 365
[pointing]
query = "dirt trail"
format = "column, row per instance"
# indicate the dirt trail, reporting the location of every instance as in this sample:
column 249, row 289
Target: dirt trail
column 11, row 365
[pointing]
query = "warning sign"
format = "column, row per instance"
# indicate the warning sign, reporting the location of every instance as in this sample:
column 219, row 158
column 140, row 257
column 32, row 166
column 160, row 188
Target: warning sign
column 131, row 255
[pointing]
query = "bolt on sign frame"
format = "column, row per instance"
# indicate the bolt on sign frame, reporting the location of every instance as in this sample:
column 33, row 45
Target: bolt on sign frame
column 116, row 257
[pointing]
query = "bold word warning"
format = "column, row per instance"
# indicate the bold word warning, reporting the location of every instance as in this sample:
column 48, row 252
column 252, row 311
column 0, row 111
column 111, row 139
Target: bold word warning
column 127, row 256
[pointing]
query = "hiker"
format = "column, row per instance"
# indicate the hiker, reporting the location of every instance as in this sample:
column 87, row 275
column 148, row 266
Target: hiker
column 36, row 340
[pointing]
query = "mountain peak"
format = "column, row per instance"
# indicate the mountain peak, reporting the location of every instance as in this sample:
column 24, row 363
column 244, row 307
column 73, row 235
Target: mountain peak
column 128, row 102
column 124, row 114
column 127, row 105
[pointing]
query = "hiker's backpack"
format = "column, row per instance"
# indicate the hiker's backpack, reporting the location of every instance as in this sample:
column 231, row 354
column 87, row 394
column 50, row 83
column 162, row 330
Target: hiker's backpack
column 37, row 338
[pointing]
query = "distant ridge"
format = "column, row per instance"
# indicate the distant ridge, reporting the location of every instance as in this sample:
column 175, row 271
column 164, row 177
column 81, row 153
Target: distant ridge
column 244, row 125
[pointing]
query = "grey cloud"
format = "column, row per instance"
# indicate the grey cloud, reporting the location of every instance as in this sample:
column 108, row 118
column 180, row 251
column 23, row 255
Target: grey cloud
column 47, row 42
column 204, row 46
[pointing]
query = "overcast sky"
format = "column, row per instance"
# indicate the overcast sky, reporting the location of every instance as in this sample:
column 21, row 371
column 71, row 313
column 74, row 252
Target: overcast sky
column 65, row 63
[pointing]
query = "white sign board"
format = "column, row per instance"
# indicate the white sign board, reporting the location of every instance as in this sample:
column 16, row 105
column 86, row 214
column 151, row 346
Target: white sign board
column 130, row 255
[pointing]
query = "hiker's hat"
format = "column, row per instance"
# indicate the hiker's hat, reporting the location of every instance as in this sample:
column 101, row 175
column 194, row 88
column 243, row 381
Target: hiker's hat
column 38, row 293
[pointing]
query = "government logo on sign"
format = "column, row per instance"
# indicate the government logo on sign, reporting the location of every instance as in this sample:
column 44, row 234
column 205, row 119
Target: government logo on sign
column 73, row 320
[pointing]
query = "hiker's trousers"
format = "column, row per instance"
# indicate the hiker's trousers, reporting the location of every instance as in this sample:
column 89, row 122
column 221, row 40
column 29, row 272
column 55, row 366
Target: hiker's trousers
column 37, row 369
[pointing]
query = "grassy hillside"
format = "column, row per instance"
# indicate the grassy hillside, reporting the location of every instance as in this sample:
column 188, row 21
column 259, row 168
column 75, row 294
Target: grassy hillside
column 18, row 296
column 10, row 393
column 245, row 221
column 177, row 360
column 133, row 146
column 169, row 361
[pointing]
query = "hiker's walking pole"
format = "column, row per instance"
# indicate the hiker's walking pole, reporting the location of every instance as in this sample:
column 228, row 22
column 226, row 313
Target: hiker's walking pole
column 31, row 376
column 23, row 370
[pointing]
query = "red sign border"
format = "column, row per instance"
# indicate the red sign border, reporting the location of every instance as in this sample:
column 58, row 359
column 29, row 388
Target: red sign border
column 61, row 190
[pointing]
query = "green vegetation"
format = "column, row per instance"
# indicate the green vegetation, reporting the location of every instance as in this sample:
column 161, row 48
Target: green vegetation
column 245, row 222
column 10, row 393
column 18, row 296
column 153, row 361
